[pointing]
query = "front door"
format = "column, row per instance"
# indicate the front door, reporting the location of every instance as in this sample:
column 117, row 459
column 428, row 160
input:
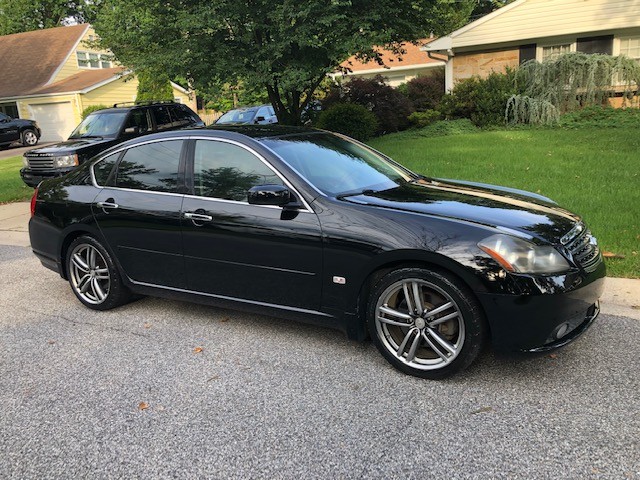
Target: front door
column 243, row 251
column 138, row 212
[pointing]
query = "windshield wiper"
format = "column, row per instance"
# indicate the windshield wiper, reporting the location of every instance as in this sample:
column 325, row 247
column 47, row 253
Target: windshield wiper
column 91, row 136
column 352, row 193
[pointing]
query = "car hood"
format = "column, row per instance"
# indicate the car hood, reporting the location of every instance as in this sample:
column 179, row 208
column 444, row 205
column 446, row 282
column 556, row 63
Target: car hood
column 68, row 146
column 515, row 210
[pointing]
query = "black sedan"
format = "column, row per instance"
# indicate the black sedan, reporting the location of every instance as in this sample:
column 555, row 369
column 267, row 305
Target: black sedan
column 314, row 226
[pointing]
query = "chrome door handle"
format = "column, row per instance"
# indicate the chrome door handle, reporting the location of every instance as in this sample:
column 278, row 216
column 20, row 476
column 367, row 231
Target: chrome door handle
column 198, row 217
column 107, row 205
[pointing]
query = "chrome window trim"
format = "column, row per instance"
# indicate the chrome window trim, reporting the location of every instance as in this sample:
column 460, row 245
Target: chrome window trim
column 307, row 207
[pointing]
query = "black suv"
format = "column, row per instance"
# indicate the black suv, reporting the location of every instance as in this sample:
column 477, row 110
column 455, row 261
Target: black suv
column 18, row 130
column 103, row 129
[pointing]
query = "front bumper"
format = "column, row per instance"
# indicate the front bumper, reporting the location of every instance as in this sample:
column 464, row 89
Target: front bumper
column 34, row 178
column 543, row 321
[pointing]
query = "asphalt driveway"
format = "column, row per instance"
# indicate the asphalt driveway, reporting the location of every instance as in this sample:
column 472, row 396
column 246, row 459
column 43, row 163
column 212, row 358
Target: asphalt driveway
column 160, row 389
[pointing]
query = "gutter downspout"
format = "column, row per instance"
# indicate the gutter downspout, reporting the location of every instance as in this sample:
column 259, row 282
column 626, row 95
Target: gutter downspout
column 448, row 69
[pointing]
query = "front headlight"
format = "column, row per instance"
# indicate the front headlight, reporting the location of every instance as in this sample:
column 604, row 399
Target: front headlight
column 65, row 161
column 517, row 255
column 25, row 162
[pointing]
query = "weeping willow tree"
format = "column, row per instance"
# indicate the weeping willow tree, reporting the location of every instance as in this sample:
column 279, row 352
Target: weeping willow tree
column 567, row 82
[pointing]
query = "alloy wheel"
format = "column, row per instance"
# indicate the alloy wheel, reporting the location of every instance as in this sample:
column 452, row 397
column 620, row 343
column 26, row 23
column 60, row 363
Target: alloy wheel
column 89, row 274
column 420, row 324
column 30, row 138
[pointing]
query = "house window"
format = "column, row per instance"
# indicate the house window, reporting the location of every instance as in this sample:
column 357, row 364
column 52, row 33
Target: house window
column 94, row 60
column 630, row 47
column 555, row 50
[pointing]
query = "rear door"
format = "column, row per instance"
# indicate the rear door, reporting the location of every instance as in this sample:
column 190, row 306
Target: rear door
column 138, row 210
column 234, row 249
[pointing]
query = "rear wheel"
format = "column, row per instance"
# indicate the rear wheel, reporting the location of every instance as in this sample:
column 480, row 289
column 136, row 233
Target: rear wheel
column 93, row 275
column 425, row 323
column 29, row 138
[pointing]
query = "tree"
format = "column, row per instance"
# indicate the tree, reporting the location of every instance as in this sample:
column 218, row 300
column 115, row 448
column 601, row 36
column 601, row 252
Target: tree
column 287, row 46
column 18, row 16
column 153, row 86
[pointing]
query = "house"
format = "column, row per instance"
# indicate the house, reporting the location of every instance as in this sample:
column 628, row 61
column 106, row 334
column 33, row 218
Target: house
column 52, row 75
column 396, row 69
column 536, row 29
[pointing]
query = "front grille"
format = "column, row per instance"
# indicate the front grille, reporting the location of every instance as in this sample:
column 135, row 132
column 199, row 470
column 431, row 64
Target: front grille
column 40, row 163
column 584, row 248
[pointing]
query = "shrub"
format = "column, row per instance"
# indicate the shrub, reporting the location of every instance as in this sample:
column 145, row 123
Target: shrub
column 426, row 92
column 602, row 117
column 423, row 119
column 390, row 107
column 91, row 109
column 350, row 119
column 482, row 100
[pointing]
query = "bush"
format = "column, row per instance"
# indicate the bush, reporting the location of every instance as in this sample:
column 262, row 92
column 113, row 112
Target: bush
column 390, row 107
column 426, row 92
column 91, row 109
column 350, row 119
column 482, row 100
column 602, row 117
column 423, row 119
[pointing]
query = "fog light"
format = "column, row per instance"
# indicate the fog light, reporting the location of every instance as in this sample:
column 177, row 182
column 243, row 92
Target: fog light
column 562, row 330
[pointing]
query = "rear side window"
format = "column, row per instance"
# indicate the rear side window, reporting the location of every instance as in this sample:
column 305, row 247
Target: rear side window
column 163, row 117
column 181, row 116
column 154, row 166
column 103, row 170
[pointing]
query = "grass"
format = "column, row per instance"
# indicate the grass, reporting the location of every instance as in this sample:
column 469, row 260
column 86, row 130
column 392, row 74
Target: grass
column 12, row 188
column 594, row 172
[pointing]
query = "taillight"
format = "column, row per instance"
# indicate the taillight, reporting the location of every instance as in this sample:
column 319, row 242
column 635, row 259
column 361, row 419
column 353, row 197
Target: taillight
column 33, row 202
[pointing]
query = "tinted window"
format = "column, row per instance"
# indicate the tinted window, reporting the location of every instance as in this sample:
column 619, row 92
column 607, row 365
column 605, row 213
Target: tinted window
column 138, row 118
column 153, row 166
column 336, row 166
column 223, row 170
column 102, row 170
column 163, row 117
column 3, row 117
column 181, row 115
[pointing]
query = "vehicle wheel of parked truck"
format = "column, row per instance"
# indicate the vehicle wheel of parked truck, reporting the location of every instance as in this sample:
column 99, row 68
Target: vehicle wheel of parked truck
column 93, row 275
column 29, row 138
column 425, row 323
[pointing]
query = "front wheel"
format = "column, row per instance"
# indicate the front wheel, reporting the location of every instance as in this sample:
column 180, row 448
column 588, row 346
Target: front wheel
column 29, row 138
column 425, row 323
column 93, row 275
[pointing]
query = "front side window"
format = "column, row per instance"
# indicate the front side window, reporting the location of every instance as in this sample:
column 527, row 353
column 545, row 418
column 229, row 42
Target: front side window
column 154, row 166
column 4, row 118
column 138, row 118
column 100, row 124
column 337, row 166
column 226, row 171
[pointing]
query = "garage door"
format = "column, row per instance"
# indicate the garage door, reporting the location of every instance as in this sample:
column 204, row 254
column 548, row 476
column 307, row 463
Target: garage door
column 56, row 120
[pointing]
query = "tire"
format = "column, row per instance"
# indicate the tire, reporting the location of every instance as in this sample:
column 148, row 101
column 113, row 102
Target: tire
column 418, row 342
column 29, row 138
column 93, row 276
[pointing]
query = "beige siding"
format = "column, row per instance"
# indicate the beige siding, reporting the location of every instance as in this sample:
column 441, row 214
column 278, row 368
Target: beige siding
column 188, row 100
column 482, row 64
column 535, row 19
column 70, row 66
column 25, row 104
column 118, row 91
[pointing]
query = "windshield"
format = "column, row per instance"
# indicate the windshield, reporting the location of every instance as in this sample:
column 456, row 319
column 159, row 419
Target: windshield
column 100, row 125
column 238, row 116
column 338, row 167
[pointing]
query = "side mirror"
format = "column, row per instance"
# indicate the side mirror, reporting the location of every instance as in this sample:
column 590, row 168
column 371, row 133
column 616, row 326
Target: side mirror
column 259, row 119
column 132, row 130
column 277, row 195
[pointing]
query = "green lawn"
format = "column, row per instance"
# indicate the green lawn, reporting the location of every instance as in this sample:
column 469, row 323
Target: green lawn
column 593, row 172
column 12, row 188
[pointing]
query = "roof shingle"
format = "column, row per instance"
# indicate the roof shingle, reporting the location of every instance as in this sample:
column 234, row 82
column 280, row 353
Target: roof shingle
column 29, row 59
